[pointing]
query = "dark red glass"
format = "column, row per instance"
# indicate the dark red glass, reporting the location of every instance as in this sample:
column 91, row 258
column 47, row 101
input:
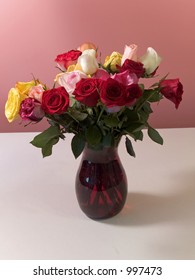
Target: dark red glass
column 101, row 183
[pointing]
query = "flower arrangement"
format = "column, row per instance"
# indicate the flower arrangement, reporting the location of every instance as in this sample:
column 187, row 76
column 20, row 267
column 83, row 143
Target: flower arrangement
column 97, row 102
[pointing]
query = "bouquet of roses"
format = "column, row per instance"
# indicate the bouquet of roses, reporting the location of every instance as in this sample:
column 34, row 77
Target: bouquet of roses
column 97, row 102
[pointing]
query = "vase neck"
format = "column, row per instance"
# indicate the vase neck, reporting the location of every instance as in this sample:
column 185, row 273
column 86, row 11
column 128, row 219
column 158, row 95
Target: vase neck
column 103, row 155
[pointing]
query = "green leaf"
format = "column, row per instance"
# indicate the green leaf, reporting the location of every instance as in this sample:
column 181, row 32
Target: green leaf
column 47, row 139
column 134, row 127
column 138, row 135
column 47, row 149
column 154, row 135
column 129, row 147
column 131, row 115
column 155, row 96
column 111, row 121
column 144, row 115
column 77, row 145
column 93, row 135
column 79, row 116
column 147, row 108
column 43, row 138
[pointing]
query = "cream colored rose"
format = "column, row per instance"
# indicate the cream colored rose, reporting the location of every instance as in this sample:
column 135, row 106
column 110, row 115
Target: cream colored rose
column 88, row 62
column 113, row 60
column 151, row 60
column 12, row 106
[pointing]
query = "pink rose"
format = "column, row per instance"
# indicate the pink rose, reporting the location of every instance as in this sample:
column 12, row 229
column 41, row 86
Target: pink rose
column 126, row 78
column 69, row 80
column 66, row 59
column 130, row 52
column 101, row 74
column 172, row 89
column 36, row 92
column 30, row 109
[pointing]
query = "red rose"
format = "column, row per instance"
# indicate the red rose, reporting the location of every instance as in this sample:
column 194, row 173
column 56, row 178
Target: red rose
column 66, row 59
column 133, row 67
column 113, row 93
column 133, row 92
column 172, row 89
column 86, row 91
column 55, row 101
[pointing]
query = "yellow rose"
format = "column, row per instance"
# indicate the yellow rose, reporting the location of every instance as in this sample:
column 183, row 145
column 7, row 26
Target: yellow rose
column 12, row 106
column 78, row 67
column 74, row 67
column 70, row 68
column 113, row 60
column 23, row 87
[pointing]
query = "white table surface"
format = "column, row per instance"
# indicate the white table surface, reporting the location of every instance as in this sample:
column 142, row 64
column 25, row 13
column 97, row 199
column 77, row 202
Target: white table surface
column 40, row 217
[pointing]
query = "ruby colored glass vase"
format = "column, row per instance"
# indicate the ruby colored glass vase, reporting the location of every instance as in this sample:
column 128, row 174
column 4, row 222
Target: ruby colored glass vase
column 101, row 183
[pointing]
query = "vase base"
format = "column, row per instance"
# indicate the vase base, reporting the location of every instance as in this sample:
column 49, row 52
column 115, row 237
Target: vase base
column 101, row 215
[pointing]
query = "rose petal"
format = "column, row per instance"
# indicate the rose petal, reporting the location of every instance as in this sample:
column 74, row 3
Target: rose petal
column 151, row 60
column 130, row 52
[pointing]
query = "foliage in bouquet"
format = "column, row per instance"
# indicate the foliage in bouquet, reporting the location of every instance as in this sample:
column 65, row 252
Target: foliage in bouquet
column 97, row 102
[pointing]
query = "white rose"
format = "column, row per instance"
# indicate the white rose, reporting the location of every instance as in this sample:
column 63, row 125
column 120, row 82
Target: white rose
column 88, row 61
column 151, row 60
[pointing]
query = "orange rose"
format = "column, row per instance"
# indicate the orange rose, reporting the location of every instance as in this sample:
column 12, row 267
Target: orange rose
column 86, row 46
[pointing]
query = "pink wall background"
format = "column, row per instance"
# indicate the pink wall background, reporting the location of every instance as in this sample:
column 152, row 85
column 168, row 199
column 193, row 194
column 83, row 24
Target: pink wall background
column 33, row 32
